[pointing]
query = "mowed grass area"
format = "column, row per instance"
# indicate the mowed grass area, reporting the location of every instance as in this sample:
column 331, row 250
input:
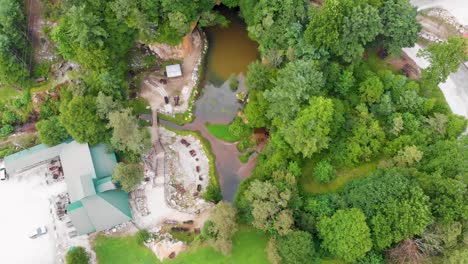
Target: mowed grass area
column 8, row 92
column 122, row 250
column 221, row 131
column 248, row 247
column 343, row 176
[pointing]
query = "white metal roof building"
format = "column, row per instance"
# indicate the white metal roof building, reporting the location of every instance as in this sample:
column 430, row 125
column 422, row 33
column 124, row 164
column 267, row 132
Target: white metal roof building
column 173, row 71
column 96, row 203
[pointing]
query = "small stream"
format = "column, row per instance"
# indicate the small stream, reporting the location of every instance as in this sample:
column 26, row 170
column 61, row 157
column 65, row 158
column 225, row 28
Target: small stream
column 230, row 52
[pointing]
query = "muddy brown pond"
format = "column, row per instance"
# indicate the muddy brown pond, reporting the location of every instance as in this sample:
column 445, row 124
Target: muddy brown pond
column 230, row 52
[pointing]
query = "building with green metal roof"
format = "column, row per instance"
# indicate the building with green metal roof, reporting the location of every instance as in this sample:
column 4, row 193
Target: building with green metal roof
column 96, row 203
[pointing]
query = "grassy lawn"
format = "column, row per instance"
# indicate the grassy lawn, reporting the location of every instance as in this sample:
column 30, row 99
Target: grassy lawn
column 7, row 92
column 221, row 131
column 139, row 106
column 248, row 247
column 122, row 250
column 377, row 64
column 343, row 176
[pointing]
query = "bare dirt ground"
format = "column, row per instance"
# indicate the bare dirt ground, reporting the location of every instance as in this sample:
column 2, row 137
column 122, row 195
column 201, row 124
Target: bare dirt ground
column 180, row 86
column 36, row 21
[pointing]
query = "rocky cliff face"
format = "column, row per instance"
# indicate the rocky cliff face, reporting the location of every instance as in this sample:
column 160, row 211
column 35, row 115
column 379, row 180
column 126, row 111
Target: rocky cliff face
column 165, row 51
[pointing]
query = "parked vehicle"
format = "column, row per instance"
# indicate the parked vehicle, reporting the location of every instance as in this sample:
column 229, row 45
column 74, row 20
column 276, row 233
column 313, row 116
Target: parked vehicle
column 38, row 232
column 3, row 174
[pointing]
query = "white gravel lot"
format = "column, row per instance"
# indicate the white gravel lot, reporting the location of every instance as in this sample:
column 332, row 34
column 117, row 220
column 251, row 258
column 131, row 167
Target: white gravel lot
column 24, row 205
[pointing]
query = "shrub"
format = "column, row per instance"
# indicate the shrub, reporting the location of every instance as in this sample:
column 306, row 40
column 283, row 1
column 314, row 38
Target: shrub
column 128, row 175
column 142, row 236
column 6, row 130
column 244, row 144
column 213, row 194
column 41, row 69
column 77, row 255
column 207, row 228
column 324, row 172
column 9, row 118
column 238, row 129
column 233, row 83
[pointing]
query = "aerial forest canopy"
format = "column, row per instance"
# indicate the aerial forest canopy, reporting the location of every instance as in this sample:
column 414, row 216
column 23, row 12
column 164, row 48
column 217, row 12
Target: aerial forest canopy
column 362, row 163
column 330, row 111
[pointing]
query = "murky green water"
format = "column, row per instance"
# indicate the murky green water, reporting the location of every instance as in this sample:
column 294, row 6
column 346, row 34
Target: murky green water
column 231, row 49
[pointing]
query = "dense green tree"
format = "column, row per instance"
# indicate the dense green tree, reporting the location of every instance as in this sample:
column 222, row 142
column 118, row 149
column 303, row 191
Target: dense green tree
column 400, row 27
column 51, row 132
column 367, row 137
column 259, row 76
column 255, row 110
column 295, row 84
column 345, row 234
column 77, row 255
column 445, row 58
column 9, row 117
column 128, row 175
column 269, row 206
column 396, row 208
column 371, row 258
column 13, row 69
column 14, row 45
column 447, row 156
column 272, row 22
column 296, row 247
column 105, row 105
column 322, row 205
column 239, row 129
column 272, row 251
column 371, row 90
column 309, row 133
column 142, row 236
column 343, row 27
column 223, row 227
column 126, row 133
column 448, row 197
column 408, row 156
column 324, row 172
column 80, row 119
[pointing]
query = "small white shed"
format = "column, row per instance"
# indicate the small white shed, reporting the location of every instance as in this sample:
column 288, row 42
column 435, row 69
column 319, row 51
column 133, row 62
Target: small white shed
column 173, row 71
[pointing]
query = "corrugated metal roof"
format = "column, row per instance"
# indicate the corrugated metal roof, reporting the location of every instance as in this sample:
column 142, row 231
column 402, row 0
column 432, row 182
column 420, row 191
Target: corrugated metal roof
column 87, row 170
column 118, row 199
column 31, row 157
column 173, row 70
column 103, row 160
column 102, row 214
column 74, row 206
column 76, row 161
column 104, row 184
column 87, row 185
column 81, row 220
